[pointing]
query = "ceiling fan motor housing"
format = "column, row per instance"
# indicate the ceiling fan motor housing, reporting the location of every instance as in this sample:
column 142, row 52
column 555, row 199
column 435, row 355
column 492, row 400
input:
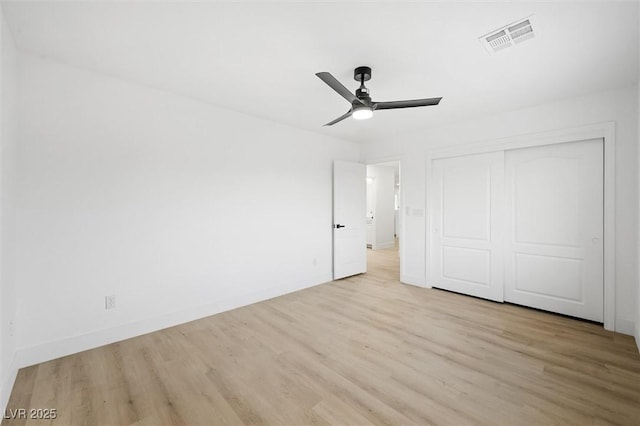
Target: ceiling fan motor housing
column 362, row 74
column 363, row 94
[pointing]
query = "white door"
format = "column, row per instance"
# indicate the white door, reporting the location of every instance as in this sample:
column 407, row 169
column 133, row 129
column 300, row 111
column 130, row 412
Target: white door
column 554, row 244
column 349, row 219
column 467, row 205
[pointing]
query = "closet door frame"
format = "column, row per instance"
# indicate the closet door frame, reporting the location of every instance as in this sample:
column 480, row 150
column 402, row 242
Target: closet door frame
column 606, row 131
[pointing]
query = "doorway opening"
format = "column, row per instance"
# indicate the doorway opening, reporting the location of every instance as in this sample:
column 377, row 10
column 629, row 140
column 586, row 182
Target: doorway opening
column 383, row 209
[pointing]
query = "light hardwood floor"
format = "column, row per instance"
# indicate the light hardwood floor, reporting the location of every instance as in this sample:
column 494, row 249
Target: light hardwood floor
column 363, row 350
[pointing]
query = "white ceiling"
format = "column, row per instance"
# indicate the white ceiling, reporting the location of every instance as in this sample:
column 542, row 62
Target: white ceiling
column 260, row 57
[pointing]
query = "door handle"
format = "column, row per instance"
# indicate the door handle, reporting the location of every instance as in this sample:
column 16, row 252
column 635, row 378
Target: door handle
column 338, row 226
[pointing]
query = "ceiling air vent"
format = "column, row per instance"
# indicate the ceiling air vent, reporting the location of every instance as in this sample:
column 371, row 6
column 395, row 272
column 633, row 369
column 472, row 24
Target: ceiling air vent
column 508, row 36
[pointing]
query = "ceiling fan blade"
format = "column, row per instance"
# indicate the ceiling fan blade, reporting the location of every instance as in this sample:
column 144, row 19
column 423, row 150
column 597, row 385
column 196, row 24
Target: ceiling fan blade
column 407, row 104
column 338, row 87
column 342, row 117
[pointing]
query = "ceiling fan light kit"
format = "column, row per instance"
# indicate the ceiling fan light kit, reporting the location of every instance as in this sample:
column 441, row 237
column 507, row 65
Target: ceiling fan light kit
column 362, row 112
column 362, row 106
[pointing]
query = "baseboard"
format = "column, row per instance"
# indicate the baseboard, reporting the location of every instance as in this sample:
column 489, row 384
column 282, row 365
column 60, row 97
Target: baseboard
column 413, row 280
column 56, row 349
column 7, row 384
column 637, row 335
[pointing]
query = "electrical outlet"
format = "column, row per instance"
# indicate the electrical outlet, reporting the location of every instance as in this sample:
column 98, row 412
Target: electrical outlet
column 12, row 328
column 315, row 261
column 110, row 302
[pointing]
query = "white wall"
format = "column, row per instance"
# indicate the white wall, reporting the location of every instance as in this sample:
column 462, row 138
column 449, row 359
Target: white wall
column 619, row 105
column 178, row 208
column 8, row 95
column 383, row 205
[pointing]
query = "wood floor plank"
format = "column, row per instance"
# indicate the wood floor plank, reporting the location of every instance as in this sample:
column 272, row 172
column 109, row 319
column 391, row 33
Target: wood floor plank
column 362, row 350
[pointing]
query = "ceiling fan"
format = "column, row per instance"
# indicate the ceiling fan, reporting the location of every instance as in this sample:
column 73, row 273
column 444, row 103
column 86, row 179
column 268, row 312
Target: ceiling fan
column 362, row 106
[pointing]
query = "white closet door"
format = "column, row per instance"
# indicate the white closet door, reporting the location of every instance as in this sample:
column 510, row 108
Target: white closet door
column 467, row 206
column 554, row 235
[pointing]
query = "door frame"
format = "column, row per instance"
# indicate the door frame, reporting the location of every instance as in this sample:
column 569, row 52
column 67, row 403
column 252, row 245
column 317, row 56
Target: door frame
column 605, row 131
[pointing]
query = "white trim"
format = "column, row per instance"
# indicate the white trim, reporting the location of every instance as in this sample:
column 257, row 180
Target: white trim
column 52, row 350
column 427, row 226
column 625, row 327
column 7, row 386
column 383, row 160
column 414, row 280
column 605, row 131
column 609, row 136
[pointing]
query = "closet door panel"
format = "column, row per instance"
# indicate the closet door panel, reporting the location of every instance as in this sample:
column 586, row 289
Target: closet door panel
column 554, row 238
column 467, row 204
